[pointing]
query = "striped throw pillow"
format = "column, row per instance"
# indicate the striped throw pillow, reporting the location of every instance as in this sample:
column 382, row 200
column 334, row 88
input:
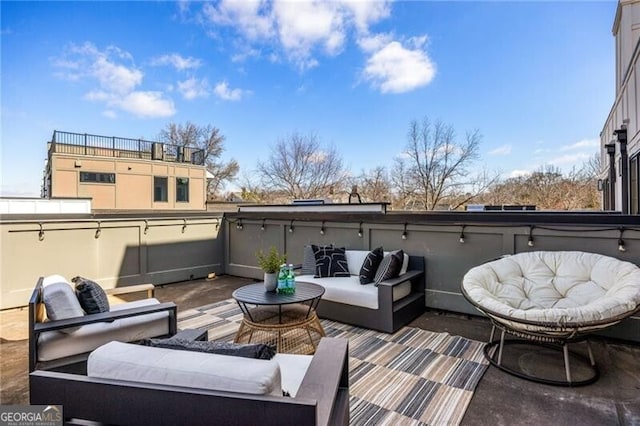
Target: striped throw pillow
column 389, row 267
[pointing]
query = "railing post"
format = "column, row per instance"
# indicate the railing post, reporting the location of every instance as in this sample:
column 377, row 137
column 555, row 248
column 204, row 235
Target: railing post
column 113, row 142
column 85, row 144
column 139, row 148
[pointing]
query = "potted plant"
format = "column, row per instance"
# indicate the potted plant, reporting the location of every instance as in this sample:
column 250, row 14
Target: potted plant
column 270, row 263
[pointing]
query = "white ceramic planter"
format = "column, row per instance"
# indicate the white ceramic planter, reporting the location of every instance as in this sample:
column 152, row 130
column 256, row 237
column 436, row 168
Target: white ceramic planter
column 270, row 281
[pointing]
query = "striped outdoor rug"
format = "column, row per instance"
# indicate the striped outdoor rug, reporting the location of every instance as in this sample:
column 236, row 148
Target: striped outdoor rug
column 410, row 377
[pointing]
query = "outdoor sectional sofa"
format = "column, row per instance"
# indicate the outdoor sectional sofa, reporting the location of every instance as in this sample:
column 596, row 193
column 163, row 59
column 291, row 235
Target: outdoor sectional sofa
column 133, row 384
column 69, row 339
column 386, row 307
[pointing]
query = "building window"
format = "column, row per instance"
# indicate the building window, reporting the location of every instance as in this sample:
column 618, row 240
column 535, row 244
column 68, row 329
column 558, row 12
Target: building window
column 182, row 189
column 606, row 205
column 93, row 177
column 160, row 189
column 634, row 185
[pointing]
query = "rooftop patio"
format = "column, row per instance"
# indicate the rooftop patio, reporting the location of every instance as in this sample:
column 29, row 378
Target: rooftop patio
column 499, row 398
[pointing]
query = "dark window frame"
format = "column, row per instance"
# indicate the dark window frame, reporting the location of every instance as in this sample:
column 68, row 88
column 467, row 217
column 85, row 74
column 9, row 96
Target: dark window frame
column 161, row 199
column 98, row 177
column 182, row 182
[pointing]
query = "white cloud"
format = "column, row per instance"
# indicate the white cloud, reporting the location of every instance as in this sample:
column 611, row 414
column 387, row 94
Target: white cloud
column 117, row 79
column 298, row 28
column 147, row 104
column 193, row 88
column 517, row 173
column 569, row 159
column 223, row 91
column 252, row 18
column 393, row 68
column 304, row 25
column 584, row 143
column 177, row 61
column 501, row 150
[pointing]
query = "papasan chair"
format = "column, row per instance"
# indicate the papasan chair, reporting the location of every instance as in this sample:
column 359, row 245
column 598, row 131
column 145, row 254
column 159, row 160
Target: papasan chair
column 552, row 298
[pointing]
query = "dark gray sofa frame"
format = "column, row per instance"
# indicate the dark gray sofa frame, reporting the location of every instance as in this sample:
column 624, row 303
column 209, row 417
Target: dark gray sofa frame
column 35, row 327
column 390, row 316
column 322, row 399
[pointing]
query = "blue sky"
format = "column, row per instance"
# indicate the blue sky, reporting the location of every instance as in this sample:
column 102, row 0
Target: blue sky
column 535, row 78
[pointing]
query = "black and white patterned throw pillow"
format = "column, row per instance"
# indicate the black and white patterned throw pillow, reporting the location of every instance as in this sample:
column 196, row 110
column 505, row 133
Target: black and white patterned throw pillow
column 330, row 262
column 389, row 267
column 370, row 265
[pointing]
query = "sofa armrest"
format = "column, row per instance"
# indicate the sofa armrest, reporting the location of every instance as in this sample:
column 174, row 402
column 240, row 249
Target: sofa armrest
column 409, row 275
column 110, row 316
column 149, row 288
column 327, row 381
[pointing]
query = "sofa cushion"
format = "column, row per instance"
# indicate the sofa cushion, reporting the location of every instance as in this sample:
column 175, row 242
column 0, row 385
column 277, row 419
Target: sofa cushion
column 249, row 350
column 355, row 259
column 91, row 296
column 61, row 303
column 330, row 261
column 405, row 264
column 137, row 363
column 390, row 266
column 308, row 261
column 55, row 344
column 293, row 368
column 348, row 290
column 370, row 265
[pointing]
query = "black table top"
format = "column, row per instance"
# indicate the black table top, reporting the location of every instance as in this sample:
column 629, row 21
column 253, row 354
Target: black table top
column 256, row 294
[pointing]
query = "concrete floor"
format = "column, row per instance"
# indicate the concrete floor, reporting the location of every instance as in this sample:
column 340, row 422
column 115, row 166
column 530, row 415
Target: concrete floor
column 500, row 399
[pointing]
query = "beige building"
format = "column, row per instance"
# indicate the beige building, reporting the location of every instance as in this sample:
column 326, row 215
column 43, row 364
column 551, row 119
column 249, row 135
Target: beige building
column 125, row 174
column 620, row 136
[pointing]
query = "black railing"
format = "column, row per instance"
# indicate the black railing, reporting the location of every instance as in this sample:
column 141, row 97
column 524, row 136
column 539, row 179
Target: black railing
column 113, row 146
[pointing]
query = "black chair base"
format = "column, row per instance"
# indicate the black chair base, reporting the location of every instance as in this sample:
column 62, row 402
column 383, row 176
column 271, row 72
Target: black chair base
column 494, row 359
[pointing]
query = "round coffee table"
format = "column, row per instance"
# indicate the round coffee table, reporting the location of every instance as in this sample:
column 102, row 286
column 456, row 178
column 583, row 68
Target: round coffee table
column 286, row 321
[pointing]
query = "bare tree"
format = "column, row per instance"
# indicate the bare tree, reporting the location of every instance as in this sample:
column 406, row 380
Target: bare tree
column 373, row 185
column 435, row 169
column 301, row 168
column 549, row 189
column 211, row 141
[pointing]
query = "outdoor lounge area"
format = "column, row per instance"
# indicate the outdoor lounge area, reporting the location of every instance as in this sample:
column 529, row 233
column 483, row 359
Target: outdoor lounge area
column 499, row 398
column 430, row 369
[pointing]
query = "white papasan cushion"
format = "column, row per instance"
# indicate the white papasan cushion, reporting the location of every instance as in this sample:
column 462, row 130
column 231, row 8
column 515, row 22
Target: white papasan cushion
column 564, row 287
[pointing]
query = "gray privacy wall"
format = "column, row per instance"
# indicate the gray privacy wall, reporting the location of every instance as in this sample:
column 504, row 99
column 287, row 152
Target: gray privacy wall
column 115, row 251
column 437, row 238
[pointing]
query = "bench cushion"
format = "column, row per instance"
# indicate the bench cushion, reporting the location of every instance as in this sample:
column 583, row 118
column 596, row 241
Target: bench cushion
column 55, row 344
column 136, row 363
column 349, row 291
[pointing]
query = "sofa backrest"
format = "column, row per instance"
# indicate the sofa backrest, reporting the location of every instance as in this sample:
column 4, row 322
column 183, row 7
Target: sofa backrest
column 355, row 259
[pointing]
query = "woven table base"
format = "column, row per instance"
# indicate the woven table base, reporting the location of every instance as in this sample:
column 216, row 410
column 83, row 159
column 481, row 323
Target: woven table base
column 292, row 331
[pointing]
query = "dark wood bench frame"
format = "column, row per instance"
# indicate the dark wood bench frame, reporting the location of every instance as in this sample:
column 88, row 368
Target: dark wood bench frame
column 322, row 399
column 35, row 327
column 390, row 316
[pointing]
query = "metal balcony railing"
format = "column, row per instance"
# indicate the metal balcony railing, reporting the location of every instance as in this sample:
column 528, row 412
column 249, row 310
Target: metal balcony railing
column 113, row 146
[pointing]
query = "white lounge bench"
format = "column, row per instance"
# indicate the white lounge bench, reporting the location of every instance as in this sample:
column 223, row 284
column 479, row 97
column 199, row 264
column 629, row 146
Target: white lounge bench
column 386, row 307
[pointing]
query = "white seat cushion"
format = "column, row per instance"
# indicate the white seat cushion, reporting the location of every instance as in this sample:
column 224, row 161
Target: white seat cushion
column 55, row 344
column 349, row 291
column 292, row 371
column 136, row 363
column 564, row 288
